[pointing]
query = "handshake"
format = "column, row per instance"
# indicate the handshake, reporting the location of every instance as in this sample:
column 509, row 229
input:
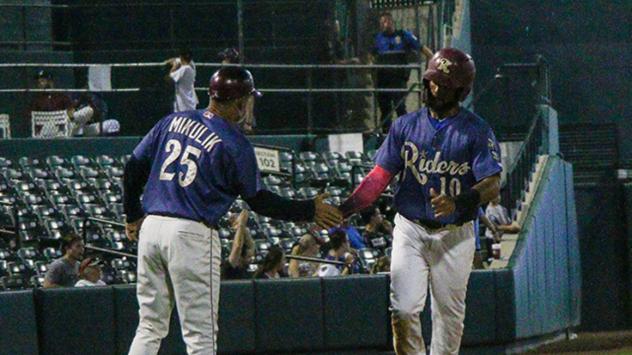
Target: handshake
column 326, row 215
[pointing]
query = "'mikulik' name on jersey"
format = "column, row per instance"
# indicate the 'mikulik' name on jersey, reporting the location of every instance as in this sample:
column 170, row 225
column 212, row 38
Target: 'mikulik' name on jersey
column 195, row 131
column 420, row 164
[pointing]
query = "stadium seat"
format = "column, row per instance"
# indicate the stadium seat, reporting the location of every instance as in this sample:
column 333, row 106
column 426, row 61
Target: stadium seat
column 78, row 161
column 27, row 162
column 5, row 163
column 39, row 173
column 105, row 161
column 51, row 254
column 54, row 161
column 12, row 282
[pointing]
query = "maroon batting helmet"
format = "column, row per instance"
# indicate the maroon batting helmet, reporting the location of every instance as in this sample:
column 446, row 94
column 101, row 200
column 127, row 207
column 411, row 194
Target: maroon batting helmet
column 232, row 83
column 452, row 68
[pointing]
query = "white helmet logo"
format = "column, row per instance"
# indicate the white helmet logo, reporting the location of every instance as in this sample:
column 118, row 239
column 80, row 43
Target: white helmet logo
column 444, row 65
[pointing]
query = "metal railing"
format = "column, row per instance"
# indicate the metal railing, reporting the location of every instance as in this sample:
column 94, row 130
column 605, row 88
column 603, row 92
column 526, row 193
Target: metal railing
column 536, row 141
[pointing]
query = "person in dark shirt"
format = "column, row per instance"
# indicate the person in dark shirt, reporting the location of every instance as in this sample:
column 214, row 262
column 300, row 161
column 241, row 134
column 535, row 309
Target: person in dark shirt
column 64, row 271
column 272, row 266
column 46, row 101
column 242, row 251
column 393, row 47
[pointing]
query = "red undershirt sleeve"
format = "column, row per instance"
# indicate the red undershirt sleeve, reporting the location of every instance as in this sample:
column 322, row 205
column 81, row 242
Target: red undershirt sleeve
column 367, row 192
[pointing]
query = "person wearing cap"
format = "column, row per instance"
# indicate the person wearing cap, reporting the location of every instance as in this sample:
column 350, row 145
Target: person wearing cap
column 90, row 273
column 182, row 74
column 47, row 100
column 189, row 169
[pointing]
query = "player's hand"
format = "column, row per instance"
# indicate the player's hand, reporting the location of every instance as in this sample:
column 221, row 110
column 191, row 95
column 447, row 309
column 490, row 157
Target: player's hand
column 326, row 215
column 132, row 228
column 443, row 205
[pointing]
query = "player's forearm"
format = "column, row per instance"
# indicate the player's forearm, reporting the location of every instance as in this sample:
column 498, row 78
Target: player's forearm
column 488, row 188
column 274, row 206
column 134, row 178
column 367, row 192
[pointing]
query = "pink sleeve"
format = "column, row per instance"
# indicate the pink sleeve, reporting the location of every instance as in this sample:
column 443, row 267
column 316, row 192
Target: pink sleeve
column 369, row 190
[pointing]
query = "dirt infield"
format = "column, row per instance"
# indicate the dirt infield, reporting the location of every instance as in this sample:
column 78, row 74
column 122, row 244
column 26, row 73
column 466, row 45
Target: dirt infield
column 591, row 343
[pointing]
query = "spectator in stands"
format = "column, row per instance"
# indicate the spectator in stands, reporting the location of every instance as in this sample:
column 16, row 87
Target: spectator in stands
column 376, row 222
column 90, row 273
column 89, row 114
column 394, row 47
column 229, row 56
column 307, row 246
column 273, row 264
column 242, row 251
column 502, row 223
column 182, row 74
column 47, row 101
column 383, row 264
column 63, row 271
column 356, row 241
column 339, row 250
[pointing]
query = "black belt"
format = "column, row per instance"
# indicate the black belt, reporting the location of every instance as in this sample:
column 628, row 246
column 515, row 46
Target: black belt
column 172, row 215
column 432, row 224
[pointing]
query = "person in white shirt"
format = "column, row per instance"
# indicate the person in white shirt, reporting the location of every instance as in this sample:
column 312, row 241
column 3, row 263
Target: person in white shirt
column 90, row 273
column 182, row 74
column 498, row 215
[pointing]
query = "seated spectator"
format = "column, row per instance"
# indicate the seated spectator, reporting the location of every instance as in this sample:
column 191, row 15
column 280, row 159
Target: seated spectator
column 499, row 218
column 307, row 246
column 353, row 235
column 89, row 114
column 383, row 264
column 377, row 223
column 339, row 250
column 273, row 264
column 63, row 271
column 242, row 251
column 90, row 273
column 48, row 101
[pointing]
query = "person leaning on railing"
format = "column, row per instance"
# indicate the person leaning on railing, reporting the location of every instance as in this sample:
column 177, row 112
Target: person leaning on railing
column 307, row 246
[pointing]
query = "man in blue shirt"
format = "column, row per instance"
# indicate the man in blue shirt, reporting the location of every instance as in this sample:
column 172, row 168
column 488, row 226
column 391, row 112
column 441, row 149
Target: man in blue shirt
column 393, row 47
column 190, row 168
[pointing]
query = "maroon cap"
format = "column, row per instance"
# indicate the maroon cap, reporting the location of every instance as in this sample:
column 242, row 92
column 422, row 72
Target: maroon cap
column 232, row 83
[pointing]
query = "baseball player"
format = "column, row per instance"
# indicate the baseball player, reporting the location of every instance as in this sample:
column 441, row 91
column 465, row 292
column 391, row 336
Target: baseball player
column 448, row 163
column 192, row 166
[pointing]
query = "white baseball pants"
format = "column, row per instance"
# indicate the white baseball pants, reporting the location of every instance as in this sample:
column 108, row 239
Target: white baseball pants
column 443, row 258
column 178, row 262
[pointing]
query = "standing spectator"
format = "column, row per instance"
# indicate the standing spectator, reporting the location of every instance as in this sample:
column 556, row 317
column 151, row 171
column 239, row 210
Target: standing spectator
column 242, row 251
column 272, row 266
column 394, row 47
column 63, row 271
column 307, row 246
column 182, row 73
column 90, row 273
column 383, row 264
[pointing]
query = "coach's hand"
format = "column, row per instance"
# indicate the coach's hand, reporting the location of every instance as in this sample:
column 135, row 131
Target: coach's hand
column 132, row 228
column 443, row 205
column 326, row 215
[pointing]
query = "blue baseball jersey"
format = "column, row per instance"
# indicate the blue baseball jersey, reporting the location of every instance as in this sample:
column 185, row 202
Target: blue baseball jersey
column 200, row 163
column 450, row 158
column 398, row 42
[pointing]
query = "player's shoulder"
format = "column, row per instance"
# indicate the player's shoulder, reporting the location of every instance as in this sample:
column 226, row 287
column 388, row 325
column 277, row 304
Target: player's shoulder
column 474, row 121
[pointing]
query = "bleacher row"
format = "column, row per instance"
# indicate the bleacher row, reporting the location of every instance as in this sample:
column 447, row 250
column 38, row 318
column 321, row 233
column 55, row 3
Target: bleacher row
column 53, row 196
